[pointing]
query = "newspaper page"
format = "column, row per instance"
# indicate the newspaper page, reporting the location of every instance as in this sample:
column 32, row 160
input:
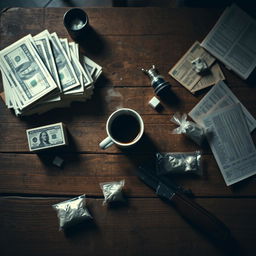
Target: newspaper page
column 232, row 40
column 182, row 70
column 231, row 143
column 220, row 93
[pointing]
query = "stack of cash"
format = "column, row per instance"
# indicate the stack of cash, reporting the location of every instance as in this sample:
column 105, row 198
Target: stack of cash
column 48, row 136
column 44, row 72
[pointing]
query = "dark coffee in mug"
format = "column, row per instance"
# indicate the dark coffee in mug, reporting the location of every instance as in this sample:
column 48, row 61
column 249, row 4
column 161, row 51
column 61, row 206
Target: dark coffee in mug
column 125, row 128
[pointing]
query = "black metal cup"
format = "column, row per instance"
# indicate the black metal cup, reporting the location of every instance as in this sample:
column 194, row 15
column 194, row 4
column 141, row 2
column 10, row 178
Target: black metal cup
column 76, row 22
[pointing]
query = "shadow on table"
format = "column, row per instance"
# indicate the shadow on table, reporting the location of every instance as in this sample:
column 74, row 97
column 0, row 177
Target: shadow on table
column 142, row 152
column 242, row 185
column 94, row 106
column 125, row 203
column 228, row 246
column 64, row 153
column 171, row 99
column 251, row 81
column 92, row 42
column 80, row 229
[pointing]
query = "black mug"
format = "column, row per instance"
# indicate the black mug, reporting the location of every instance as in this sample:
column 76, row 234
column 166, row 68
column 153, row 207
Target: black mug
column 76, row 22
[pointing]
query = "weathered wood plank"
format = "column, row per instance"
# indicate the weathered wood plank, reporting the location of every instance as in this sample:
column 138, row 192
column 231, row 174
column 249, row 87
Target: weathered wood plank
column 126, row 51
column 125, row 57
column 157, row 138
column 155, row 20
column 86, row 137
column 143, row 227
column 32, row 174
column 107, row 100
column 18, row 22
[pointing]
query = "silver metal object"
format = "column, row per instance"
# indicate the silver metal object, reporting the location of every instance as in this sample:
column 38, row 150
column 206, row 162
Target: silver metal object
column 158, row 83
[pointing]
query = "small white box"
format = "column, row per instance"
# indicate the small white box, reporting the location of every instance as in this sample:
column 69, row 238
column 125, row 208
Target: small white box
column 154, row 102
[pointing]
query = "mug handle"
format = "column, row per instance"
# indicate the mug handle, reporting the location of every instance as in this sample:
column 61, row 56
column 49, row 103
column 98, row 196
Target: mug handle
column 107, row 142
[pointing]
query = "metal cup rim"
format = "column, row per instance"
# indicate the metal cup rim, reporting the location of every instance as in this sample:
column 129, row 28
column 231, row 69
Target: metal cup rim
column 67, row 15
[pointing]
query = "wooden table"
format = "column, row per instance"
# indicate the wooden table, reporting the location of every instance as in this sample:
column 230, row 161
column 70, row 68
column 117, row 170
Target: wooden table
column 127, row 40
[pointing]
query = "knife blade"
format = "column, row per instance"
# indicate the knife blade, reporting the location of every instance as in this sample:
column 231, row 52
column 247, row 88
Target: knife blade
column 190, row 210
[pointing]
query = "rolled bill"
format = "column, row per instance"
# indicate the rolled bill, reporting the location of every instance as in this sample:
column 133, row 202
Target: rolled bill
column 48, row 136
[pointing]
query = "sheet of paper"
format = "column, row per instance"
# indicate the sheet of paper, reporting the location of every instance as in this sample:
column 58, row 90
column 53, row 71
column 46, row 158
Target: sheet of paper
column 220, row 93
column 232, row 40
column 231, row 143
column 213, row 77
column 182, row 70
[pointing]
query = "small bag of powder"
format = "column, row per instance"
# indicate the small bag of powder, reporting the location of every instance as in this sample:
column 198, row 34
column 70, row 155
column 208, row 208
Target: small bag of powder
column 179, row 163
column 72, row 212
column 112, row 191
column 189, row 128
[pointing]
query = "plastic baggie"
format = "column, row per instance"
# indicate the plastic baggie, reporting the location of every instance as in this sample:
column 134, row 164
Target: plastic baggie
column 189, row 128
column 72, row 211
column 179, row 163
column 112, row 191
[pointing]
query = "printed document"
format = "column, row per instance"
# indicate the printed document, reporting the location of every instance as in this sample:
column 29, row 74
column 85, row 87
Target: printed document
column 232, row 40
column 184, row 73
column 231, row 143
column 218, row 97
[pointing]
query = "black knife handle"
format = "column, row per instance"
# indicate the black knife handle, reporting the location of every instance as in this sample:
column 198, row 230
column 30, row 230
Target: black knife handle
column 200, row 217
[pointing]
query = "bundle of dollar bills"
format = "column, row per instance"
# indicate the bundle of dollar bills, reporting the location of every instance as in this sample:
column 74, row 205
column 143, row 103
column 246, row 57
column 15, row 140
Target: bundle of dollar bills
column 43, row 72
column 48, row 136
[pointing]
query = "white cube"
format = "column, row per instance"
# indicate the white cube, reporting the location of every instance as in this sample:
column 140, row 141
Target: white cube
column 154, row 102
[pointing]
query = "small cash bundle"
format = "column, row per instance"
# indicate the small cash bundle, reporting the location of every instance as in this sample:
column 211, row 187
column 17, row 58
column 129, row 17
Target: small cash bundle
column 48, row 136
column 72, row 212
column 112, row 191
column 44, row 72
column 179, row 163
column 189, row 128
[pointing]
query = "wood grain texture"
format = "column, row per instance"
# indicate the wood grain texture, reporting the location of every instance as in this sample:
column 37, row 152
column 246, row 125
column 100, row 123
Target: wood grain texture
column 123, row 41
column 29, row 173
column 125, row 49
column 79, row 136
column 106, row 100
column 83, row 119
column 141, row 227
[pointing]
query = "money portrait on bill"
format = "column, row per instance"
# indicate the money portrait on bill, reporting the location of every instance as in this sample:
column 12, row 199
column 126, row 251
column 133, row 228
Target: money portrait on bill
column 46, row 137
